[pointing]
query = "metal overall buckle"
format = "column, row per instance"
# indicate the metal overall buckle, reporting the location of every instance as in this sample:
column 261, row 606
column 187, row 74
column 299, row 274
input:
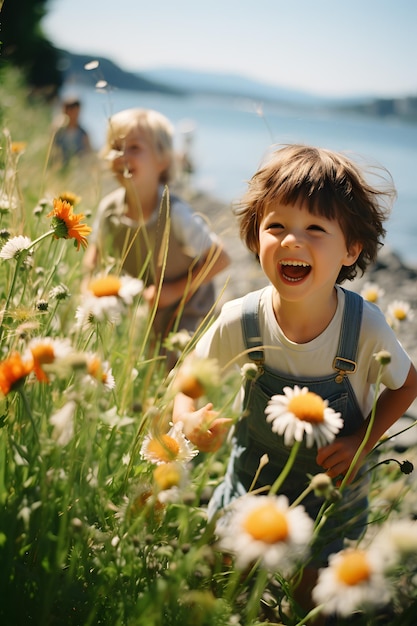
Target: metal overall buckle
column 343, row 366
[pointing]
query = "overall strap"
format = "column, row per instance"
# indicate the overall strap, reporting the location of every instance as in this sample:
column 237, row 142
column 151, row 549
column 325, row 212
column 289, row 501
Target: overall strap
column 250, row 326
column 345, row 359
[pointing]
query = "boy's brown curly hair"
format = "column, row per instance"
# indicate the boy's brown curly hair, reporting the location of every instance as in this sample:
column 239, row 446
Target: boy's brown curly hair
column 329, row 184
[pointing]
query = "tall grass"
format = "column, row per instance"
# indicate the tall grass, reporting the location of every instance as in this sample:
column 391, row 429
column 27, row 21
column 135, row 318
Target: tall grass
column 90, row 531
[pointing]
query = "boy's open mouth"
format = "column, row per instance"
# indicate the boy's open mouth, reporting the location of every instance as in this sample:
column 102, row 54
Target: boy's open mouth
column 294, row 271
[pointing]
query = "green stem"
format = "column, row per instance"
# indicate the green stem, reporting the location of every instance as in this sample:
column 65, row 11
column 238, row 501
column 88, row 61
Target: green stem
column 367, row 433
column 311, row 615
column 29, row 412
column 301, row 496
column 286, row 469
column 41, row 238
column 12, row 286
column 256, row 595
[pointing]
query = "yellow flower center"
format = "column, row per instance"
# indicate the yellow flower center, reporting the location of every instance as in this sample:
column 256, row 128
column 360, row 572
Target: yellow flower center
column 308, row 407
column 18, row 146
column 267, row 524
column 167, row 475
column 43, row 353
column 353, row 568
column 165, row 448
column 371, row 295
column 400, row 314
column 105, row 286
column 94, row 367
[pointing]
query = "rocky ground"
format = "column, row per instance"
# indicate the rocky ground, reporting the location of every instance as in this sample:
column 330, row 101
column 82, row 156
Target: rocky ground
column 390, row 273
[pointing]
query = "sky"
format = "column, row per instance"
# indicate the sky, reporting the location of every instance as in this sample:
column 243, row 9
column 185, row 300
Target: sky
column 324, row 47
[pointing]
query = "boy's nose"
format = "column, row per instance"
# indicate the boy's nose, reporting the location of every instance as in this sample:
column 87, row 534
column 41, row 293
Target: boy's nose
column 291, row 240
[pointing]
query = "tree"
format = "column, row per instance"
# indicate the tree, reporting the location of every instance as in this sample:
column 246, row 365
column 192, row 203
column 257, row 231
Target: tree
column 25, row 46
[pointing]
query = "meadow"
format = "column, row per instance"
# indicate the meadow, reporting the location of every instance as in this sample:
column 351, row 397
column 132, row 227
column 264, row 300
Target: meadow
column 102, row 502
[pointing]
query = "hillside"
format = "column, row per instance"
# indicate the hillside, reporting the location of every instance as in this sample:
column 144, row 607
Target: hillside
column 73, row 68
column 230, row 85
column 181, row 82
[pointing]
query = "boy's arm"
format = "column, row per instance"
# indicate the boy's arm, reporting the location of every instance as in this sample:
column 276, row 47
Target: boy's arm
column 215, row 261
column 336, row 457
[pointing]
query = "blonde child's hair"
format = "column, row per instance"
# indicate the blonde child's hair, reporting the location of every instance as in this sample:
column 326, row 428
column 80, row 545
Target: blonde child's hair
column 327, row 183
column 157, row 129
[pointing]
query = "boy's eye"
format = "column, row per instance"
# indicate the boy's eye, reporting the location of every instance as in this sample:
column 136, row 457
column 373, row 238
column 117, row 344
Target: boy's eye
column 274, row 226
column 317, row 227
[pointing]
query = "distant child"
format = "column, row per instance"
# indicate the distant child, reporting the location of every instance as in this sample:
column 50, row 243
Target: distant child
column 71, row 139
column 313, row 221
column 133, row 230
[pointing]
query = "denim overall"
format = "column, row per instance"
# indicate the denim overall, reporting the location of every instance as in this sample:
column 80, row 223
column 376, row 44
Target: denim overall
column 253, row 436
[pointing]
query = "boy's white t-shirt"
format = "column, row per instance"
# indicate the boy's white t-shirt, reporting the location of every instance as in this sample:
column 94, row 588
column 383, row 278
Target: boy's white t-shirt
column 224, row 341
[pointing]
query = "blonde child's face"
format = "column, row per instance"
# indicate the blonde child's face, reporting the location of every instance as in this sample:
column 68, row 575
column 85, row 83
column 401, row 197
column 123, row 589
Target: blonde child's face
column 138, row 165
column 301, row 253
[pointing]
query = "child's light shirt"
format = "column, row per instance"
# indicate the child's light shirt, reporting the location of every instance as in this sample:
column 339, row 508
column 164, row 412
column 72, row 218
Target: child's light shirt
column 190, row 237
column 224, row 341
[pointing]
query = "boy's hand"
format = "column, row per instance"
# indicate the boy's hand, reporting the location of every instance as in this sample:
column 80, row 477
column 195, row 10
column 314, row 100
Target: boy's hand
column 337, row 456
column 204, row 429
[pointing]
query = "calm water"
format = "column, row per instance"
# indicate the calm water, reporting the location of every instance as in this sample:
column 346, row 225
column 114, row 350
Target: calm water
column 231, row 137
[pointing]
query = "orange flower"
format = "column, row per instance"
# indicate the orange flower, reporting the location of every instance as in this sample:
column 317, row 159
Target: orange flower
column 12, row 371
column 66, row 224
column 18, row 147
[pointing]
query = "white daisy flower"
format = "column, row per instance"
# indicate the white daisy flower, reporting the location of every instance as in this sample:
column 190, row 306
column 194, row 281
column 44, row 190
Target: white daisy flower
column 249, row 371
column 63, row 423
column 353, row 580
column 178, row 341
column 47, row 353
column 265, row 528
column 94, row 310
column 60, row 292
column 301, row 412
column 113, row 419
column 170, row 479
column 372, row 292
column 399, row 311
column 397, row 540
column 7, row 203
column 172, row 446
column 14, row 246
column 123, row 287
column 168, row 475
column 107, row 298
column 100, row 371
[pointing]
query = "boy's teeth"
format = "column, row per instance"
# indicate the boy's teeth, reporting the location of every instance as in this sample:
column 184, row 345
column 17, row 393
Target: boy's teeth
column 296, row 263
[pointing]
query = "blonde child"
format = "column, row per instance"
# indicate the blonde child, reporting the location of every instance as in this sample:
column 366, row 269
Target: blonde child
column 176, row 247
column 313, row 222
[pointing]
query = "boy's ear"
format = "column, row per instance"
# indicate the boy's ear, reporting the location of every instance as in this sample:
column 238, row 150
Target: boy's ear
column 353, row 253
column 164, row 162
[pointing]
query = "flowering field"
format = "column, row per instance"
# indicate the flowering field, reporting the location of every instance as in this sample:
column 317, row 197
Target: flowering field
column 102, row 500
